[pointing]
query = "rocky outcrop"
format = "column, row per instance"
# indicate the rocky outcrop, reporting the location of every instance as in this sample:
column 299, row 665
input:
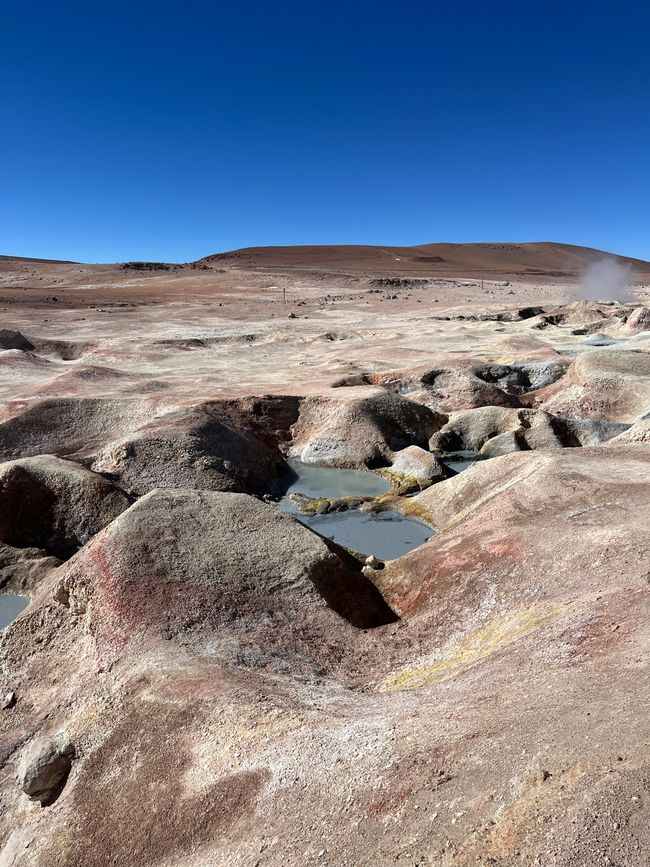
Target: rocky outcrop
column 203, row 447
column 359, row 432
column 54, row 504
column 609, row 384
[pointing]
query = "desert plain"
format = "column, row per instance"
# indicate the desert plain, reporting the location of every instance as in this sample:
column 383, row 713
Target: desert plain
column 197, row 678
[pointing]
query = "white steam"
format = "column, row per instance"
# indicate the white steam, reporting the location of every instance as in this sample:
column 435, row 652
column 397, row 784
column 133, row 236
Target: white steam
column 607, row 280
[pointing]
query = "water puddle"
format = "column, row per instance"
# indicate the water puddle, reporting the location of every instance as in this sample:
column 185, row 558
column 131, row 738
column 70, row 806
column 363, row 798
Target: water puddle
column 330, row 482
column 460, row 461
column 10, row 607
column 387, row 535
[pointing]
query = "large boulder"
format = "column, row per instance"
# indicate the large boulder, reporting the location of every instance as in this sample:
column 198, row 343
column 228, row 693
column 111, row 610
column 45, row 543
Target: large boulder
column 50, row 503
column 414, row 469
column 359, row 432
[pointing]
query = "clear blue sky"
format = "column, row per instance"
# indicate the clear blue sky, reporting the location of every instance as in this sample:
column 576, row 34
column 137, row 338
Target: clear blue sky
column 173, row 130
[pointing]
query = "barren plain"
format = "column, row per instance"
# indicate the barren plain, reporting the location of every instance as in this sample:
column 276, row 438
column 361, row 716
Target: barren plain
column 197, row 678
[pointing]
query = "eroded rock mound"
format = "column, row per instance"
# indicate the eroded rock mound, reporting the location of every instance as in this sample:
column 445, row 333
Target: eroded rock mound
column 68, row 426
column 54, row 504
column 523, row 377
column 638, row 320
column 636, row 433
column 360, row 432
column 181, row 561
column 204, row 447
column 609, row 384
column 496, row 431
column 24, row 568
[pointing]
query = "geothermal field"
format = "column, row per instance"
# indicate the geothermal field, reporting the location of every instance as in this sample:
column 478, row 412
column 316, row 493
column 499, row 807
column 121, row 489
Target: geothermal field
column 326, row 556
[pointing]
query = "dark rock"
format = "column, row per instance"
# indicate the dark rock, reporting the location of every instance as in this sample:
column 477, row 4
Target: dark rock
column 14, row 340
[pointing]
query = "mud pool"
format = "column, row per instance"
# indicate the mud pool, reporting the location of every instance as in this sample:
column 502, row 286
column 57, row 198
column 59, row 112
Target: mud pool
column 330, row 482
column 387, row 534
column 459, row 461
column 10, row 607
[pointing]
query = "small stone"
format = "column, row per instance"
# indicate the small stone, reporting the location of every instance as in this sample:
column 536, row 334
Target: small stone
column 9, row 700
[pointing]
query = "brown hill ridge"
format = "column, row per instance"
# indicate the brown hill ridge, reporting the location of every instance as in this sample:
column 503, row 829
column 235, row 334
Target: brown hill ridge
column 543, row 257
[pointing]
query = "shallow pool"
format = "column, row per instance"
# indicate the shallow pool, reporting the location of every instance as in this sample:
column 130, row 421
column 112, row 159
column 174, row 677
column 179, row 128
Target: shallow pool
column 387, row 535
column 459, row 461
column 330, row 482
column 10, row 607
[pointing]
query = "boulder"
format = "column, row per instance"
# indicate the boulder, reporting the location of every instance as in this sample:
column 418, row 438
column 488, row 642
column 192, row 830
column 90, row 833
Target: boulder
column 53, row 504
column 414, row 468
column 44, row 768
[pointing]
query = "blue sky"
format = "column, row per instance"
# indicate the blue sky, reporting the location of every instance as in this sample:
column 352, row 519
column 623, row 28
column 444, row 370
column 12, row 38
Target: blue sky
column 173, row 130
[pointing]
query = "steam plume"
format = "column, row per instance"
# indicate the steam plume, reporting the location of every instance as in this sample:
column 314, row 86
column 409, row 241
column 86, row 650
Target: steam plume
column 607, row 280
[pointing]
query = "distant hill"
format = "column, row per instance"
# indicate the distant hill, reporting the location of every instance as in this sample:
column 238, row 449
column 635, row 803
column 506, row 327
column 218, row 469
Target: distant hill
column 39, row 261
column 544, row 258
